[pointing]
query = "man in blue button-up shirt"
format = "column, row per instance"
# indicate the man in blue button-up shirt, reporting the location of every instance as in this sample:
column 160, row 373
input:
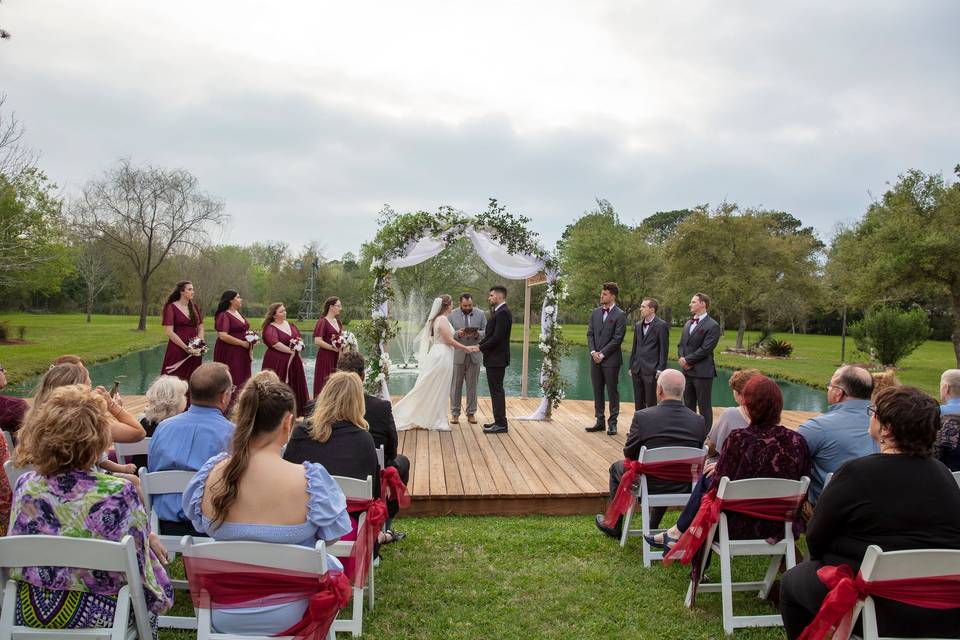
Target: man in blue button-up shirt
column 841, row 433
column 186, row 441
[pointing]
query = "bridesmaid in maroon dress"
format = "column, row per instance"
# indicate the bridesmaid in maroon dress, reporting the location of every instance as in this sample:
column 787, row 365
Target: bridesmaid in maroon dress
column 327, row 330
column 232, row 348
column 182, row 323
column 277, row 334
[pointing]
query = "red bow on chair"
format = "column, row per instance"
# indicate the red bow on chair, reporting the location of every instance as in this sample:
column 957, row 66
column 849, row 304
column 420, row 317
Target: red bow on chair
column 678, row 470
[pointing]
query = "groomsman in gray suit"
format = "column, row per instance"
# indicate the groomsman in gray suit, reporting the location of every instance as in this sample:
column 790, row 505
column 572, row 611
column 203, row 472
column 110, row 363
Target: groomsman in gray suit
column 469, row 326
column 608, row 326
column 651, row 342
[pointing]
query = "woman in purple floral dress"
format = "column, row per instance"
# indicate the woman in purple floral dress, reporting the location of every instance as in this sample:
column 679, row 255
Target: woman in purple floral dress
column 66, row 496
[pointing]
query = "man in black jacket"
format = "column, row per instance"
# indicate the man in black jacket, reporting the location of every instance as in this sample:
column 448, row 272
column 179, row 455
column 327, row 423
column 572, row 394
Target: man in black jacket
column 651, row 343
column 379, row 415
column 669, row 424
column 699, row 338
column 495, row 347
column 605, row 332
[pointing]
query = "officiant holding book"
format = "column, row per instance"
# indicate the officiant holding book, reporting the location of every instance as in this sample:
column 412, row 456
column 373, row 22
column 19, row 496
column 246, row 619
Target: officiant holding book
column 469, row 326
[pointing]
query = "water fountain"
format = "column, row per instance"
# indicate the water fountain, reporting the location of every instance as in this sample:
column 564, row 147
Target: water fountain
column 409, row 309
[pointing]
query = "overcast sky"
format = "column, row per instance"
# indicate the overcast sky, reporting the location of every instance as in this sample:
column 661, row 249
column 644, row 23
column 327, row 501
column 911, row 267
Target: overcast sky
column 306, row 117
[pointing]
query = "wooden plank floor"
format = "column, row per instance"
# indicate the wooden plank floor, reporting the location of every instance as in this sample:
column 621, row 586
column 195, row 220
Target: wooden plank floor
column 536, row 468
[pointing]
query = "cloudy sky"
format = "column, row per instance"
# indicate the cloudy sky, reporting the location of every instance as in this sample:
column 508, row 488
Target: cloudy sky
column 306, row 117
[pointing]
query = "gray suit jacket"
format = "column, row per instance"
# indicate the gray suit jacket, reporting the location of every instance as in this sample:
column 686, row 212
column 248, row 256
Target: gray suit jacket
column 649, row 353
column 477, row 319
column 697, row 348
column 606, row 337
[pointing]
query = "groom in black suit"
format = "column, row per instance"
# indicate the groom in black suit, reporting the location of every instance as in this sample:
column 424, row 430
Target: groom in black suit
column 699, row 338
column 495, row 347
column 651, row 343
column 605, row 332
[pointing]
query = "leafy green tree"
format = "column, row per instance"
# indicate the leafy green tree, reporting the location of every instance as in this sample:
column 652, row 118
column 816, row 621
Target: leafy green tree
column 662, row 224
column 905, row 245
column 599, row 248
column 889, row 335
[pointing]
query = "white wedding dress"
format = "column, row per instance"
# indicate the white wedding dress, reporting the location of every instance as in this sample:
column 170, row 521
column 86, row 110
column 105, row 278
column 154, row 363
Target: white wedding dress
column 426, row 405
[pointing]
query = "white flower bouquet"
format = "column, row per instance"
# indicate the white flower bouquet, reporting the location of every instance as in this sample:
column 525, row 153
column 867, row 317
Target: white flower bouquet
column 296, row 344
column 252, row 337
column 197, row 347
column 346, row 342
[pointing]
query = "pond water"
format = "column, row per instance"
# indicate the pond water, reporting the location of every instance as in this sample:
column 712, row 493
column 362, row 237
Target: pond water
column 137, row 370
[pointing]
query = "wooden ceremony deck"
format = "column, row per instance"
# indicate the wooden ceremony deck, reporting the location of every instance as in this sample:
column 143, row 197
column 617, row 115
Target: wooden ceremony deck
column 536, row 468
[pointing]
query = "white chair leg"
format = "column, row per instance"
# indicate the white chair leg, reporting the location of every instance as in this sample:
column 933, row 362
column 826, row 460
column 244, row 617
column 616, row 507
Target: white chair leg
column 726, row 585
column 357, row 612
column 370, row 583
column 645, row 520
column 627, row 517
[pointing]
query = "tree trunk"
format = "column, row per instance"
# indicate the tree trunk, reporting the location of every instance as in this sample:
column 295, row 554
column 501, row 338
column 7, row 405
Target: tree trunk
column 144, row 286
column 741, row 330
column 89, row 305
column 955, row 336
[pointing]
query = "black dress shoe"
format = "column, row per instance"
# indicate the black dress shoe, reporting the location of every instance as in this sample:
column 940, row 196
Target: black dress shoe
column 597, row 427
column 612, row 430
column 488, row 425
column 613, row 532
column 495, row 428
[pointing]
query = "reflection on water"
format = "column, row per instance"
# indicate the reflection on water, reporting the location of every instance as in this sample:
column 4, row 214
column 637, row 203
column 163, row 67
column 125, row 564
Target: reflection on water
column 137, row 370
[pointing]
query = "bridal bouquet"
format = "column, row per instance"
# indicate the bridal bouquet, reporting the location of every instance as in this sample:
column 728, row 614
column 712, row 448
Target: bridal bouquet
column 296, row 344
column 346, row 342
column 252, row 337
column 197, row 346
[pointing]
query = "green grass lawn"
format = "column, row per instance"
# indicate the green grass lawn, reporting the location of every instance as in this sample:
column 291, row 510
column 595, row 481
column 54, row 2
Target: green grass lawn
column 815, row 357
column 52, row 335
column 535, row 577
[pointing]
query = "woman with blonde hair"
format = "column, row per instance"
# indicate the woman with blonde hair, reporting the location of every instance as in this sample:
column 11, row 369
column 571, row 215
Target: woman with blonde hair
column 67, row 495
column 253, row 494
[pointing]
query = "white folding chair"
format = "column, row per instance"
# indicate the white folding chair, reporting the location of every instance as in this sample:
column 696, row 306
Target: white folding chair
column 13, row 472
column 894, row 565
column 648, row 500
column 58, row 551
column 285, row 557
column 358, row 490
column 125, row 450
column 154, row 484
column 956, row 476
column 726, row 549
column 380, row 457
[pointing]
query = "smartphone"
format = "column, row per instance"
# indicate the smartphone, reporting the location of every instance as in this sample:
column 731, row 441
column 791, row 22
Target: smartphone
column 115, row 391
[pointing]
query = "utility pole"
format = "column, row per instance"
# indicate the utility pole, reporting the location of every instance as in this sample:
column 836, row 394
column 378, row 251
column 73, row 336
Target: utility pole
column 308, row 302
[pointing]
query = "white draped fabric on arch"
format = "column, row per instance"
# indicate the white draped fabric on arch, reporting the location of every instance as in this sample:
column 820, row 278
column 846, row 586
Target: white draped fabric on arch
column 505, row 264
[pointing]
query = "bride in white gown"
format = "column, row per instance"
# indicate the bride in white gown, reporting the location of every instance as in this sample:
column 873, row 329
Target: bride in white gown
column 426, row 405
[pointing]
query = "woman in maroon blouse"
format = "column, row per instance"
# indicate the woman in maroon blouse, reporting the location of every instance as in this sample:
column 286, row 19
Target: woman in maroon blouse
column 232, row 348
column 182, row 323
column 325, row 333
column 280, row 357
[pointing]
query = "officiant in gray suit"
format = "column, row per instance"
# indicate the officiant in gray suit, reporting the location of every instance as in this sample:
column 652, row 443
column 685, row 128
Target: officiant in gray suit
column 469, row 326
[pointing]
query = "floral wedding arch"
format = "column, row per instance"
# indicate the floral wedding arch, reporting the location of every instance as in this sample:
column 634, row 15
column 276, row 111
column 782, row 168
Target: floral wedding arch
column 503, row 242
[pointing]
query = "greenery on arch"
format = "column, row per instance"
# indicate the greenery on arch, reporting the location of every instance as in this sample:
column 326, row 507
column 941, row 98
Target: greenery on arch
column 398, row 232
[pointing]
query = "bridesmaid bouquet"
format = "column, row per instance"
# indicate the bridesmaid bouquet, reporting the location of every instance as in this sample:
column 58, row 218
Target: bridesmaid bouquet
column 252, row 337
column 346, row 342
column 197, row 346
column 296, row 344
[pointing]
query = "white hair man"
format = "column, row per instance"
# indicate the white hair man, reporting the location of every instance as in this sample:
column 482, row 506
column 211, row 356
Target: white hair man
column 950, row 391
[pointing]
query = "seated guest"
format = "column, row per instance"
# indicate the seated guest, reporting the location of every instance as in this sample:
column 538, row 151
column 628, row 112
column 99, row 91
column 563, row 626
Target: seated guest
column 5, row 489
column 379, row 416
column 68, row 358
column 253, row 494
column 166, row 397
column 12, row 410
column 65, row 495
column 337, row 435
column 950, row 391
column 669, row 424
column 840, row 434
column 900, row 498
column 947, row 445
column 883, row 380
column 763, row 449
column 187, row 440
column 732, row 417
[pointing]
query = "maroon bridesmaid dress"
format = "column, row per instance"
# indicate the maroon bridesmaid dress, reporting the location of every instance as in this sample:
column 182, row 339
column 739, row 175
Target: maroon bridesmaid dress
column 237, row 358
column 289, row 368
column 176, row 361
column 326, row 360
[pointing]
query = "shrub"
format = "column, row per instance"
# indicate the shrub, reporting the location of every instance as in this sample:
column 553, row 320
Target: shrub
column 778, row 348
column 4, row 330
column 889, row 335
column 22, row 332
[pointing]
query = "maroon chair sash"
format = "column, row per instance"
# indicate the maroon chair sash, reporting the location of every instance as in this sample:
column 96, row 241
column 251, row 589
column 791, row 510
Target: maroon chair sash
column 693, row 539
column 362, row 553
column 222, row 584
column 393, row 487
column 687, row 470
column 836, row 612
